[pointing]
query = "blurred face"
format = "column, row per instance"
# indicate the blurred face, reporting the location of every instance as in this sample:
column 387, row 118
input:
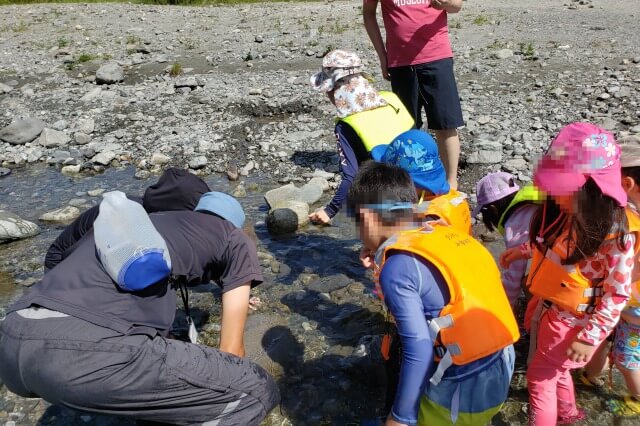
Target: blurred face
column 567, row 203
column 369, row 229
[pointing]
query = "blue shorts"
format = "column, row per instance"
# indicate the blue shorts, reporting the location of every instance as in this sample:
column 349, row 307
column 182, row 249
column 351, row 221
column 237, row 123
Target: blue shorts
column 626, row 347
column 431, row 86
column 471, row 399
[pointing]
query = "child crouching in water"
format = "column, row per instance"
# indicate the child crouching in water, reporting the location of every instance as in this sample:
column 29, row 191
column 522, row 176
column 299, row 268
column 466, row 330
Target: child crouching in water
column 582, row 258
column 443, row 289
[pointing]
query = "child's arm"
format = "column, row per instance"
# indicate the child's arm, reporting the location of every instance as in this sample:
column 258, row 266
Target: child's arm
column 516, row 233
column 409, row 286
column 348, row 170
column 617, row 289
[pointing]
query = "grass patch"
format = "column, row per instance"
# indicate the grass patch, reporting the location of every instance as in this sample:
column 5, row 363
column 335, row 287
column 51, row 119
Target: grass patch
column 481, row 20
column 338, row 28
column 20, row 27
column 63, row 42
column 248, row 57
column 498, row 44
column 133, row 39
column 175, row 70
column 85, row 57
column 527, row 50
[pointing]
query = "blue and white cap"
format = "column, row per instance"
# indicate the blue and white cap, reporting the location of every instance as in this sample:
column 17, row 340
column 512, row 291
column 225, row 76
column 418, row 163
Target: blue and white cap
column 416, row 152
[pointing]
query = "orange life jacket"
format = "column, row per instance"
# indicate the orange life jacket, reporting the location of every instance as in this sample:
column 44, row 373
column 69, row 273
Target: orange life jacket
column 564, row 285
column 634, row 226
column 478, row 320
column 453, row 208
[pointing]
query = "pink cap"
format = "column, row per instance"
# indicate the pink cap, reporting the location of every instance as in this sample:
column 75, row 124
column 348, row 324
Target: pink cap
column 578, row 152
column 492, row 188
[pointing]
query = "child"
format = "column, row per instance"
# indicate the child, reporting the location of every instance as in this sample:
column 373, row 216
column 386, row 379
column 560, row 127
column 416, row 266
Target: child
column 626, row 344
column 582, row 258
column 443, row 289
column 416, row 152
column 367, row 120
column 509, row 209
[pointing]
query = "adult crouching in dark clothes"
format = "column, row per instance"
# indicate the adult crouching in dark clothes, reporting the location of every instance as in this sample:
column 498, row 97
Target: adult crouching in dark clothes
column 78, row 340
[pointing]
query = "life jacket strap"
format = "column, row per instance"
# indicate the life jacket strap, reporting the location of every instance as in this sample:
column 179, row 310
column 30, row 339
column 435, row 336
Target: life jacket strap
column 445, row 362
column 593, row 292
column 437, row 324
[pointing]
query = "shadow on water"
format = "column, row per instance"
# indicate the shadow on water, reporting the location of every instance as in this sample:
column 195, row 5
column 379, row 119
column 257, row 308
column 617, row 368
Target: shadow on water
column 309, row 158
column 305, row 384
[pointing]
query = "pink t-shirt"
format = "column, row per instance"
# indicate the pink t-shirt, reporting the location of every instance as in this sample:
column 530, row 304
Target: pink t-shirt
column 416, row 32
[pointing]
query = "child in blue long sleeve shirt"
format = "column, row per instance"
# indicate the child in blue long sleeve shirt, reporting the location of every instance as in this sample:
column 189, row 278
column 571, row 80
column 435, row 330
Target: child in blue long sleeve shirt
column 416, row 291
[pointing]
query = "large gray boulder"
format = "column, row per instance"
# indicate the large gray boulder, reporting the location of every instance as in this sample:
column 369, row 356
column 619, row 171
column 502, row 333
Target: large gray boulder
column 279, row 195
column 20, row 132
column 311, row 192
column 50, row 138
column 12, row 227
column 109, row 73
column 287, row 216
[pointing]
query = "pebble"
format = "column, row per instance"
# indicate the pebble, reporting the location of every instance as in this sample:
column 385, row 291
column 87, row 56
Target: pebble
column 198, row 162
column 96, row 192
column 64, row 214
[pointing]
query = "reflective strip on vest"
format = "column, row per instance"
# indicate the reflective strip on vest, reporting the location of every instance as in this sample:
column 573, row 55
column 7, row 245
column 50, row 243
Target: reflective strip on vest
column 380, row 126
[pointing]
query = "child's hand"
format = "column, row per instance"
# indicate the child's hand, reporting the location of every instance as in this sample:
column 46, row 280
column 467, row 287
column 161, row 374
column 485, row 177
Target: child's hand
column 579, row 351
column 366, row 258
column 509, row 256
column 320, row 217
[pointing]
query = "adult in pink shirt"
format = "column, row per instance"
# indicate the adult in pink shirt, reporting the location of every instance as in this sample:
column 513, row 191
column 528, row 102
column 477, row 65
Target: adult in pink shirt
column 418, row 59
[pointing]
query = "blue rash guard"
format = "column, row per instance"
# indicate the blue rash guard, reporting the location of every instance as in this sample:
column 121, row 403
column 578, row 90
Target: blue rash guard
column 415, row 291
column 352, row 152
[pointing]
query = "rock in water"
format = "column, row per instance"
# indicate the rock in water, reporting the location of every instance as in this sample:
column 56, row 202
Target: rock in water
column 284, row 193
column 104, row 158
column 288, row 216
column 311, row 192
column 20, row 132
column 50, row 138
column 109, row 73
column 64, row 214
column 13, row 227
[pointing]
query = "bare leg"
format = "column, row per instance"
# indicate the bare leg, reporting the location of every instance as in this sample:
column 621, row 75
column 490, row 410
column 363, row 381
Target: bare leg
column 449, row 147
column 632, row 379
column 599, row 362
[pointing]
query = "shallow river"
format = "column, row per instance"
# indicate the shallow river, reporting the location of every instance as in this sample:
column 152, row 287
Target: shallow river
column 316, row 331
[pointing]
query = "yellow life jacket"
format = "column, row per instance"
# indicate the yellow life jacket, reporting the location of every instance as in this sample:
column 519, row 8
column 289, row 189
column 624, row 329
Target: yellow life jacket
column 528, row 194
column 378, row 127
column 564, row 285
column 453, row 208
column 478, row 320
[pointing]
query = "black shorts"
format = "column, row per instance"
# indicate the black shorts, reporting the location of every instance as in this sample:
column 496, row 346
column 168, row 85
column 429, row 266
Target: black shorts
column 431, row 85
